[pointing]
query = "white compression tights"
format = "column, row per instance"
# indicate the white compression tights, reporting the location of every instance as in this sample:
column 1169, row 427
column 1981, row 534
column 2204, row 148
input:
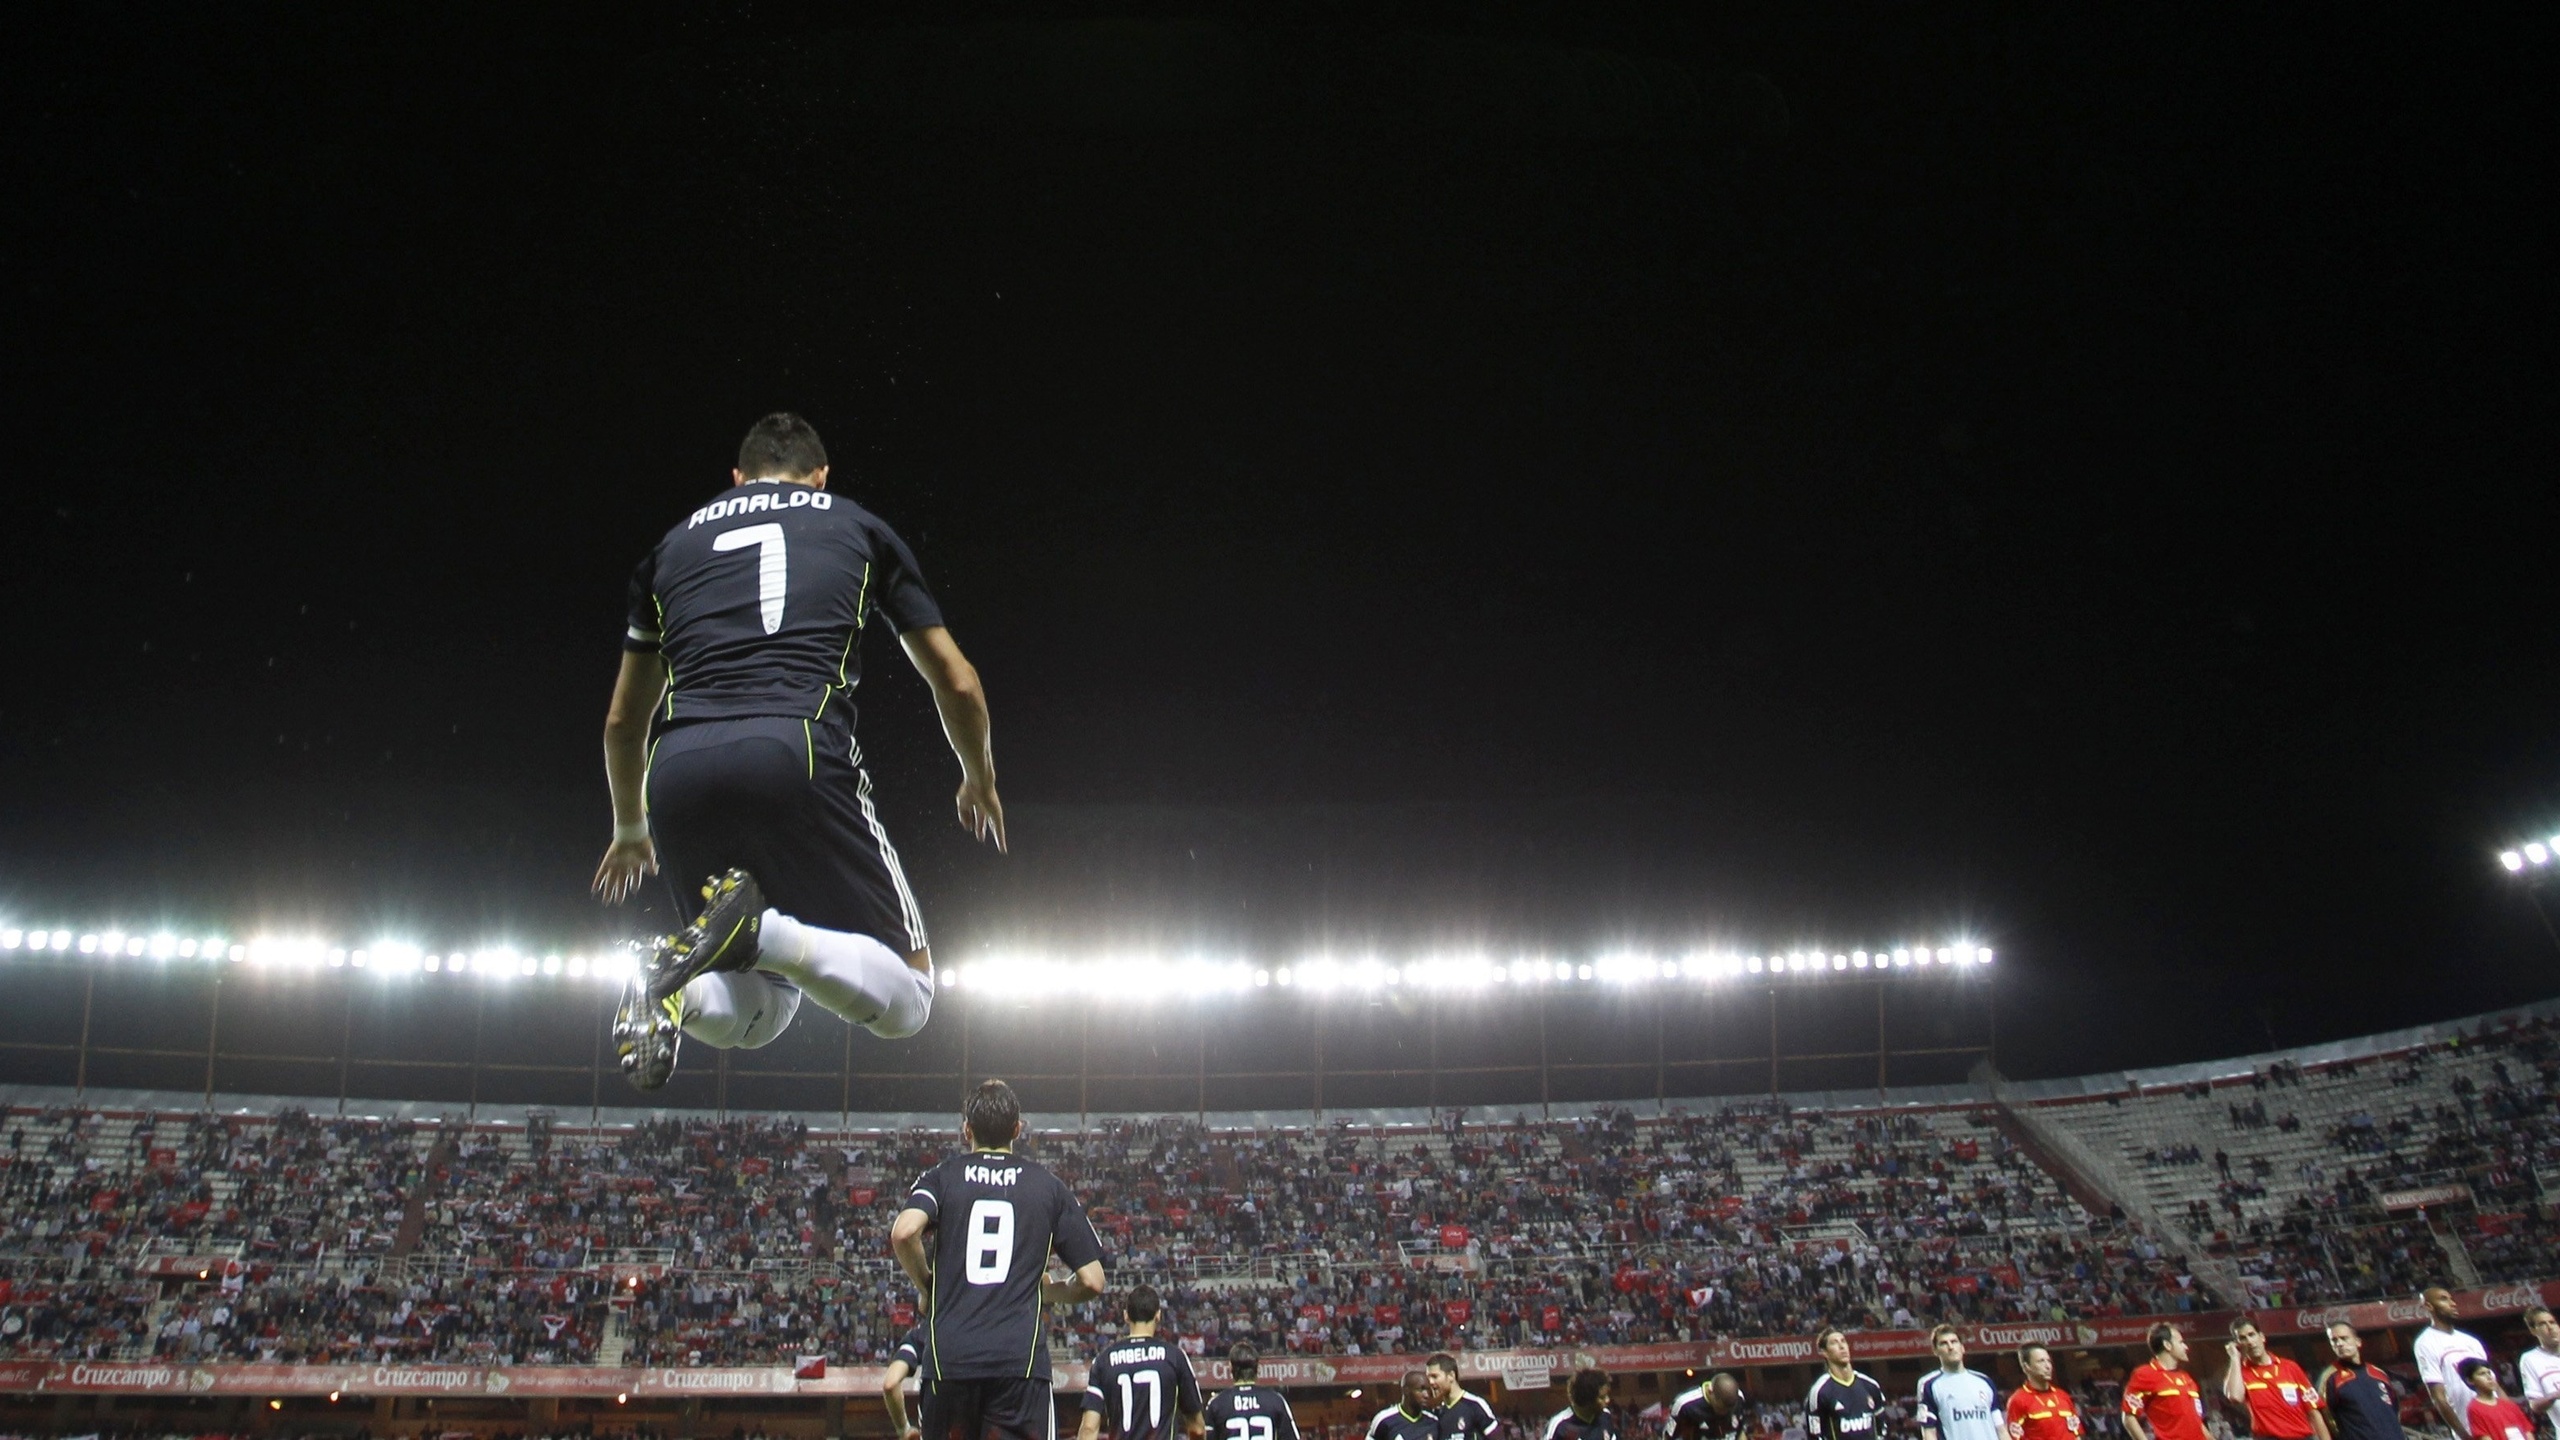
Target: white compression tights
column 850, row 975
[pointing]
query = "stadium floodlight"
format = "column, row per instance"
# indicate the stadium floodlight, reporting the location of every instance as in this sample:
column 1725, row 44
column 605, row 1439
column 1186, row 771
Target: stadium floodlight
column 2535, row 862
column 1114, row 975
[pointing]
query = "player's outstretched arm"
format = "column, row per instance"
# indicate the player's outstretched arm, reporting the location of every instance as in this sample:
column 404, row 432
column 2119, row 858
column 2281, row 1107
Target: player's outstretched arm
column 893, row 1394
column 636, row 693
column 962, row 703
column 1085, row 1284
column 906, row 1237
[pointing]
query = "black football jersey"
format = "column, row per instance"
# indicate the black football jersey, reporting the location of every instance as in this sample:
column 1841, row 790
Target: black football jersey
column 1836, row 1411
column 1140, row 1386
column 1397, row 1423
column 1565, row 1425
column 996, row 1217
column 1466, row 1418
column 757, row 601
column 1695, row 1417
column 1249, row 1411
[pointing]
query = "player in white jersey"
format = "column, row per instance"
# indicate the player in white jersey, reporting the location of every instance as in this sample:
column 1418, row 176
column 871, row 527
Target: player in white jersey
column 2440, row 1347
column 1956, row 1403
column 2539, row 1367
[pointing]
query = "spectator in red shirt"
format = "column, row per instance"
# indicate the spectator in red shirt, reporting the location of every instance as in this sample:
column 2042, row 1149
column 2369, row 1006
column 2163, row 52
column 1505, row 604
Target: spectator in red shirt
column 2490, row 1415
column 2281, row 1403
column 2162, row 1400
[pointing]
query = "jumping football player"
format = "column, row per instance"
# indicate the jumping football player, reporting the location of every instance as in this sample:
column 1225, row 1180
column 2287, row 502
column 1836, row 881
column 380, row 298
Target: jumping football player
column 743, row 647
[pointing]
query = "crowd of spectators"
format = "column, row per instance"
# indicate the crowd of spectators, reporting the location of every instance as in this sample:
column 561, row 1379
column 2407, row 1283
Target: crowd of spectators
column 758, row 1242
column 754, row 1242
column 2439, row 1149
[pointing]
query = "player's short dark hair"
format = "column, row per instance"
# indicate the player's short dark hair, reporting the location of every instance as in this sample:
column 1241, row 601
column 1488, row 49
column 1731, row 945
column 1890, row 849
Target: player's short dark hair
column 2030, row 1348
column 2538, row 1310
column 2161, row 1335
column 2245, row 1323
column 2470, row 1367
column 1824, row 1334
column 1142, row 1304
column 1443, row 1360
column 992, row 1114
column 1243, row 1361
column 781, row 444
column 1937, row 1330
column 1587, row 1384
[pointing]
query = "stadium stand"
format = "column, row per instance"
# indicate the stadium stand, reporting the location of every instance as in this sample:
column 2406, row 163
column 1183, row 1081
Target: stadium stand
column 289, row 1237
column 2353, row 1178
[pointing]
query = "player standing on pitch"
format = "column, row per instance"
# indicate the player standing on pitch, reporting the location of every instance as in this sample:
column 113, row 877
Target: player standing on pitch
column 2040, row 1409
column 2357, row 1395
column 997, row 1219
column 1461, row 1416
column 1142, row 1382
column 1844, row 1401
column 2162, row 1400
column 1956, row 1403
column 2278, row 1396
column 1586, row 1415
column 1411, row 1417
column 1248, row 1410
column 744, row 645
column 1713, row 1411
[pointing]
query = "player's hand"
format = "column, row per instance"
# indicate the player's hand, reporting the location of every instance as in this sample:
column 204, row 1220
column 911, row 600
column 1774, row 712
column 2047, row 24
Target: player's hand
column 981, row 813
column 625, row 861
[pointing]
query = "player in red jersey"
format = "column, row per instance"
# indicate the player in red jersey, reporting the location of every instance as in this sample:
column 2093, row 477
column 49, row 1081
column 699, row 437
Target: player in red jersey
column 2281, row 1403
column 2040, row 1409
column 2162, row 1400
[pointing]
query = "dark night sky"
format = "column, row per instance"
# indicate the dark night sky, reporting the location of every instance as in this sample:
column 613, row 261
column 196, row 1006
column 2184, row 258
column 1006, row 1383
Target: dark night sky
column 1558, row 472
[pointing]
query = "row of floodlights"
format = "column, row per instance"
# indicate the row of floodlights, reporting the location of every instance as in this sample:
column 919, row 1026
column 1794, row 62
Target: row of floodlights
column 390, row 957
column 1139, row 977
column 1121, row 976
column 2534, row 854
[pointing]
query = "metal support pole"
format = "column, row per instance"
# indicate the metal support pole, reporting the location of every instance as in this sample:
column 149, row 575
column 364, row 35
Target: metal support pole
column 595, row 1078
column 479, row 1006
column 1318, row 1072
column 80, row 1079
column 1084, row 1066
column 346, row 1042
column 212, row 1041
column 1432, row 1086
column 1991, row 1043
column 965, row 1008
column 2534, row 896
column 1881, row 1050
column 1200, row 1073
column 1773, row 1042
column 1546, row 1106
column 844, row 1105
column 1658, row 1078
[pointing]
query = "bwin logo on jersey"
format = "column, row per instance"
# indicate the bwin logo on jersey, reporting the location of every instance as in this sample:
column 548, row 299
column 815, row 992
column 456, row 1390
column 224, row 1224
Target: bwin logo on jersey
column 800, row 495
